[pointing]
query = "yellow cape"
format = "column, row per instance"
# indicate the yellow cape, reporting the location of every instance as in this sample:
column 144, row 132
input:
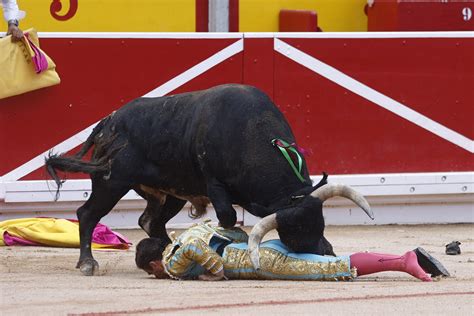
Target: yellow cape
column 47, row 232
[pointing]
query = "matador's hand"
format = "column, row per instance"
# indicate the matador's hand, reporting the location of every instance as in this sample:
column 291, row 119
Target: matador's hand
column 212, row 277
column 15, row 32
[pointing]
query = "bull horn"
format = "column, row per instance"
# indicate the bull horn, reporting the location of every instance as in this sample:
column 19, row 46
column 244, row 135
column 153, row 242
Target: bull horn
column 331, row 190
column 265, row 225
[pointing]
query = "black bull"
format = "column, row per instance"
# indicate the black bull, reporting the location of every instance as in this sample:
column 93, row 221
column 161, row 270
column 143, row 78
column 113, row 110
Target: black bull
column 204, row 146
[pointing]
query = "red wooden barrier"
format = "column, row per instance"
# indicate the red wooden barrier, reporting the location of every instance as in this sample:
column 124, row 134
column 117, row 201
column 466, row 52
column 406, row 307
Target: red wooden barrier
column 361, row 103
column 348, row 126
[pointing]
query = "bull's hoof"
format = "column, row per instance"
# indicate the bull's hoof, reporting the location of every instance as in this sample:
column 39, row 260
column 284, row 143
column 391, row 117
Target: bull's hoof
column 89, row 267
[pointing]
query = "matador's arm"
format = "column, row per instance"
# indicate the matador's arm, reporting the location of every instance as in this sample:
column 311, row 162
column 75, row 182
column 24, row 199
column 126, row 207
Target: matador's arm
column 195, row 251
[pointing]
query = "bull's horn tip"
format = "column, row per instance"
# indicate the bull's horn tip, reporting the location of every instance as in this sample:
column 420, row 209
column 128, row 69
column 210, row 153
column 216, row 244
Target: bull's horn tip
column 370, row 213
column 255, row 259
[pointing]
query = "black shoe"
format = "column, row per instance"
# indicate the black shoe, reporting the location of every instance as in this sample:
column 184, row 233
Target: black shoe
column 430, row 264
column 453, row 248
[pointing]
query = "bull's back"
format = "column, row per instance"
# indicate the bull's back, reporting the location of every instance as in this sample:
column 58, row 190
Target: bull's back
column 224, row 132
column 228, row 110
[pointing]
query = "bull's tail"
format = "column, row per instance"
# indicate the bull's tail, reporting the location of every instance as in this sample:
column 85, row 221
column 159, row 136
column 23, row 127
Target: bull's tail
column 74, row 163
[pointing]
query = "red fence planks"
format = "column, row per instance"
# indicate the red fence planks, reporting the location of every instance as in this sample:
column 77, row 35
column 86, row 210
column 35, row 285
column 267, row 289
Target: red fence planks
column 392, row 103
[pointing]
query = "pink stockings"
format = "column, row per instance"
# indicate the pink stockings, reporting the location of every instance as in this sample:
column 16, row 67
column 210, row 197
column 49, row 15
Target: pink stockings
column 368, row 263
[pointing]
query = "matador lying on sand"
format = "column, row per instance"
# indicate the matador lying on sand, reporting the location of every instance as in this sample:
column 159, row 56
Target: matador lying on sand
column 211, row 253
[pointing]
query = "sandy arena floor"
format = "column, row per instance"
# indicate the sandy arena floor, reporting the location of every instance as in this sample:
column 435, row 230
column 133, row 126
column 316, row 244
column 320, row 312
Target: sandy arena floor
column 43, row 281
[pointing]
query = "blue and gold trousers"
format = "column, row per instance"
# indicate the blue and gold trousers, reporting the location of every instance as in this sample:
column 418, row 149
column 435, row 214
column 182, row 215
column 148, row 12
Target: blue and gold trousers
column 277, row 262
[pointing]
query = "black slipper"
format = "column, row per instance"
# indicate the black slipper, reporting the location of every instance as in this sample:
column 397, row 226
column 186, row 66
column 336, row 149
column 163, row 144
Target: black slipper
column 430, row 264
column 453, row 248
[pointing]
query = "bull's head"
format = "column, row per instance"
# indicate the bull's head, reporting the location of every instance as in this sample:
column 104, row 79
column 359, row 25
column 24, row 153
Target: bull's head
column 305, row 233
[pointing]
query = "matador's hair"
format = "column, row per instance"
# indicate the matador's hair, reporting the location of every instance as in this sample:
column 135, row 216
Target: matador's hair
column 149, row 249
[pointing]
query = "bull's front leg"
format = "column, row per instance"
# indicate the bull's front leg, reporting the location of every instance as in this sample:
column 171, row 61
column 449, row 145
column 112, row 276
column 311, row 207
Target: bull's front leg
column 222, row 202
column 157, row 214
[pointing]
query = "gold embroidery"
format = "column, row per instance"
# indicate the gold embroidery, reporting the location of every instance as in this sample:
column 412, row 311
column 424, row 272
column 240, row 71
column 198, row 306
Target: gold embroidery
column 275, row 265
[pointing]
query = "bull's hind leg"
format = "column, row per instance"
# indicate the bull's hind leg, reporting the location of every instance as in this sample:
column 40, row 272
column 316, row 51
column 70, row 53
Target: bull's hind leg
column 103, row 198
column 222, row 202
column 157, row 213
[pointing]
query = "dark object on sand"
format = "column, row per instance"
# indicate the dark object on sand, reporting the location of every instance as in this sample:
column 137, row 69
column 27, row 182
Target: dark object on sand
column 453, row 248
column 430, row 264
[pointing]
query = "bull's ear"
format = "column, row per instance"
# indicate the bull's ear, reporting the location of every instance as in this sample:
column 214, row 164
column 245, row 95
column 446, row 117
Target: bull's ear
column 308, row 190
column 321, row 182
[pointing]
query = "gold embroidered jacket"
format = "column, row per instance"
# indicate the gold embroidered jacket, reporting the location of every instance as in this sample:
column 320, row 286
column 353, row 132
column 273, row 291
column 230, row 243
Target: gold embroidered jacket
column 191, row 254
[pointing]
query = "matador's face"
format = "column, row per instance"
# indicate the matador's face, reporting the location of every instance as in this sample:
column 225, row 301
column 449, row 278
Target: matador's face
column 157, row 269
